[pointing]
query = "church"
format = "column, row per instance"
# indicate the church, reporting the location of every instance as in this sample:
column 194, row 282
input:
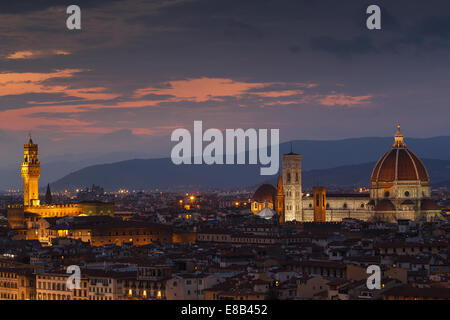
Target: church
column 399, row 189
column 32, row 209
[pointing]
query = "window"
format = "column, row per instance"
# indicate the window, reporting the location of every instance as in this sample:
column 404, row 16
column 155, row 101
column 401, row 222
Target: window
column 387, row 194
column 407, row 194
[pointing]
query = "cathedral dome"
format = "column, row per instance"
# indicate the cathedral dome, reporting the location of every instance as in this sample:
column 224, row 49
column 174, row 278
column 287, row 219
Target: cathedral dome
column 399, row 164
column 266, row 192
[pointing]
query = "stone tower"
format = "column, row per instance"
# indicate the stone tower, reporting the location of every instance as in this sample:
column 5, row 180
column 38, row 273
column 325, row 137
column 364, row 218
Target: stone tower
column 279, row 201
column 292, row 184
column 31, row 171
column 320, row 199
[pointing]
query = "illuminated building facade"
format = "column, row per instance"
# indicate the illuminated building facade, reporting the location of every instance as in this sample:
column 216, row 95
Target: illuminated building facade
column 31, row 170
column 399, row 189
column 292, row 184
column 53, row 286
column 17, row 284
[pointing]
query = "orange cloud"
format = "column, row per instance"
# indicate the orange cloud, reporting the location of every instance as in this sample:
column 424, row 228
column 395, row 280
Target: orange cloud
column 22, row 83
column 29, row 54
column 13, row 83
column 202, row 89
column 278, row 94
column 330, row 100
column 213, row 89
column 344, row 100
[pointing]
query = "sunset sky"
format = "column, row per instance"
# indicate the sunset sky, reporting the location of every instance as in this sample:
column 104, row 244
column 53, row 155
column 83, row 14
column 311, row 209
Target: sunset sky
column 139, row 69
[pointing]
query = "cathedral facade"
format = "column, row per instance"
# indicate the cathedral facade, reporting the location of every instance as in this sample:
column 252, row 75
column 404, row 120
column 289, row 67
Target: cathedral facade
column 399, row 189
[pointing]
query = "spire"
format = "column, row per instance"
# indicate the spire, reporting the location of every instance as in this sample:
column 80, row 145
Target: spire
column 48, row 195
column 399, row 139
column 30, row 140
column 280, row 185
column 292, row 151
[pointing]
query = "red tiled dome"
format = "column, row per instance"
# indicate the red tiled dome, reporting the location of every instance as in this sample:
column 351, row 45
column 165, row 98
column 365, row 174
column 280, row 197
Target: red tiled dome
column 399, row 163
column 266, row 192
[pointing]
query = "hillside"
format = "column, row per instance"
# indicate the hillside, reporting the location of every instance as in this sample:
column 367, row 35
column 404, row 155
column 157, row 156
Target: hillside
column 162, row 174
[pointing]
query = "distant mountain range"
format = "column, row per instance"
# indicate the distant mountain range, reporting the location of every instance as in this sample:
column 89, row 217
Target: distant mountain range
column 162, row 174
column 345, row 162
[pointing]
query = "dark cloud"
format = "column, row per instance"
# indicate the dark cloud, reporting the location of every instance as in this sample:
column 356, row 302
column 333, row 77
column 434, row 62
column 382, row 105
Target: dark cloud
column 24, row 6
column 437, row 26
column 361, row 44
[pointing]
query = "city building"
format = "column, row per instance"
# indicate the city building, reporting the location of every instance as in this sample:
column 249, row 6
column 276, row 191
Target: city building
column 399, row 189
column 31, row 171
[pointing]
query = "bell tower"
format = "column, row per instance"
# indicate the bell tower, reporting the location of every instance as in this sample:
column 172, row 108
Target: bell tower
column 292, row 184
column 31, row 171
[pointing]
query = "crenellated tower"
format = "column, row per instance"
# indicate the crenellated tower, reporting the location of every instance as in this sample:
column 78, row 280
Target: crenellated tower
column 31, row 171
